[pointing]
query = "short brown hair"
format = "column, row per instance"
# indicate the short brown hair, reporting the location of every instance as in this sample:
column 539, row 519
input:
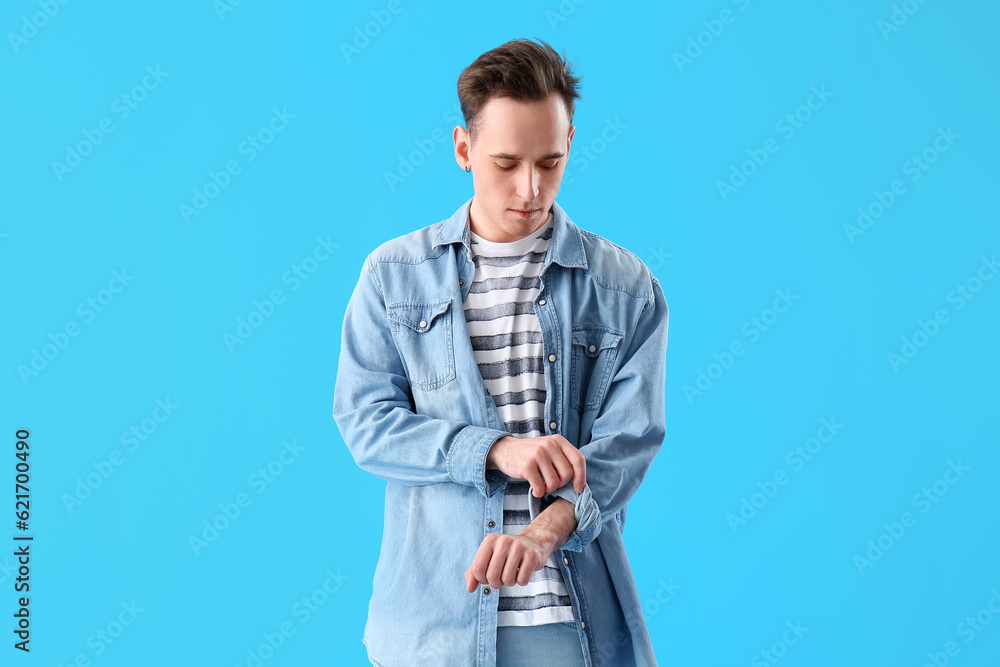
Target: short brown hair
column 519, row 69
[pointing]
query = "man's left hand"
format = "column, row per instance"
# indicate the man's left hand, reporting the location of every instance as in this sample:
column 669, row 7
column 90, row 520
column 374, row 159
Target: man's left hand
column 503, row 560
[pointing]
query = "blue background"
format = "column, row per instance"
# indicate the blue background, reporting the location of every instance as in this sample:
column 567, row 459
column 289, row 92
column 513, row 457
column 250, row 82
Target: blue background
column 717, row 591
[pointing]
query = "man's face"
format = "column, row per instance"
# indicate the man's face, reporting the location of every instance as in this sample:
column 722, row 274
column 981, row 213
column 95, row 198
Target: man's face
column 517, row 160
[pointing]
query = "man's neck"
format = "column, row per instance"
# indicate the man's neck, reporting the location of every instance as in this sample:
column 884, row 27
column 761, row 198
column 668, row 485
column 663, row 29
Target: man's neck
column 476, row 229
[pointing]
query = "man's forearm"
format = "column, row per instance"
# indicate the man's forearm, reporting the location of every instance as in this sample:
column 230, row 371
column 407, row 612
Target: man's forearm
column 553, row 526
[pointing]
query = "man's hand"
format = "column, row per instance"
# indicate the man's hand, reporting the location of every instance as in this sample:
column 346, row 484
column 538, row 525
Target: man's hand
column 503, row 560
column 547, row 462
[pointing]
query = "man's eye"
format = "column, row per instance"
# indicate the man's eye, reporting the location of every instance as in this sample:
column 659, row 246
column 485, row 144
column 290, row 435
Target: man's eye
column 543, row 167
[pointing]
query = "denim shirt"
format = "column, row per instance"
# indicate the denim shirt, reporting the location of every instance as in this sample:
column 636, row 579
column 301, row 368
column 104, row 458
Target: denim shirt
column 412, row 407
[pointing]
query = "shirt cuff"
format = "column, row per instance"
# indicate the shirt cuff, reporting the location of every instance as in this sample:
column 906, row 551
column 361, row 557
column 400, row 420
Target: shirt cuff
column 587, row 513
column 466, row 460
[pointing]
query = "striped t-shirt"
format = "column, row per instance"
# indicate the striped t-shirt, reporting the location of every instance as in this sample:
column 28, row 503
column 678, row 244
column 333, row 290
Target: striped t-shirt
column 507, row 344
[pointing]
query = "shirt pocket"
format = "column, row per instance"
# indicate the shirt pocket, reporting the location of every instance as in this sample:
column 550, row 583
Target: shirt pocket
column 423, row 333
column 593, row 355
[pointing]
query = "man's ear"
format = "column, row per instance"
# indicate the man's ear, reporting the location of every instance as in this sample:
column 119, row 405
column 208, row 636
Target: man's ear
column 461, row 139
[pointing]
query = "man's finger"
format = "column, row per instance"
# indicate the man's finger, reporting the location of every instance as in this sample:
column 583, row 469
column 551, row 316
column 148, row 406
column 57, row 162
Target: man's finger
column 481, row 562
column 563, row 468
column 510, row 569
column 524, row 575
column 534, row 477
column 579, row 463
column 494, row 572
column 551, row 477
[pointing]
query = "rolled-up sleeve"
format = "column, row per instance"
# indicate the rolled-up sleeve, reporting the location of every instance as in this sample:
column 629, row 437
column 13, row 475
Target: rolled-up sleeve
column 373, row 410
column 628, row 430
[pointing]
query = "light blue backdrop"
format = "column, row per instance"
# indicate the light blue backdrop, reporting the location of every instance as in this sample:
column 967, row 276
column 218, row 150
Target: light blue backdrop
column 189, row 190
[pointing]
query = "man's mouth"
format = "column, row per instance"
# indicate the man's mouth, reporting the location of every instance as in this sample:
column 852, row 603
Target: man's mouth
column 525, row 213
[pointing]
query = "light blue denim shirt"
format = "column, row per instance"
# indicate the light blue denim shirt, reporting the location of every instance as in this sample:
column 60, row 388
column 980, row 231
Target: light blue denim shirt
column 413, row 409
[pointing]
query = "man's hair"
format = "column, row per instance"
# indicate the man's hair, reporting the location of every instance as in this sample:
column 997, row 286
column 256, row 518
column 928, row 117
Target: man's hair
column 519, row 69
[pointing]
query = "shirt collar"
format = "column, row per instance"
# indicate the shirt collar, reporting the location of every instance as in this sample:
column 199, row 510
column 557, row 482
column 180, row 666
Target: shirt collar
column 565, row 247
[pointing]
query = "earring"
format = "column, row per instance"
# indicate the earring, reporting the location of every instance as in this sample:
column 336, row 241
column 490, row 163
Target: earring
column 469, row 168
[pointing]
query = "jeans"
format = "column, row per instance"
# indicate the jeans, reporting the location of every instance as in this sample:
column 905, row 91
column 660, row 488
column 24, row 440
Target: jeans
column 547, row 645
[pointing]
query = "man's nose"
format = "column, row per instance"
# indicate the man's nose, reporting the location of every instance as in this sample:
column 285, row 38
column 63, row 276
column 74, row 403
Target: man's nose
column 527, row 184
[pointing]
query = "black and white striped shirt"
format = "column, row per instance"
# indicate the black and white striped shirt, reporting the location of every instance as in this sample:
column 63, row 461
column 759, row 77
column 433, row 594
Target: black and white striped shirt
column 507, row 344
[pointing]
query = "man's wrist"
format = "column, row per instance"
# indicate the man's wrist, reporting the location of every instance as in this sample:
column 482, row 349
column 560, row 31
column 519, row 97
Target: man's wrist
column 553, row 526
column 493, row 452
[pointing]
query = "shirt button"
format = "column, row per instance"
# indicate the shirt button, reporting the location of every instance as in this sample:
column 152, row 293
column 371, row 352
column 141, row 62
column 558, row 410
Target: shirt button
column 488, row 392
column 491, row 524
column 592, row 348
column 565, row 561
column 582, row 625
column 542, row 302
column 486, row 590
column 552, row 357
column 461, row 282
column 423, row 324
column 552, row 425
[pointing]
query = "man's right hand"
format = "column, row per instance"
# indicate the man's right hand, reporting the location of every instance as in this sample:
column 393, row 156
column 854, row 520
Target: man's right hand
column 548, row 462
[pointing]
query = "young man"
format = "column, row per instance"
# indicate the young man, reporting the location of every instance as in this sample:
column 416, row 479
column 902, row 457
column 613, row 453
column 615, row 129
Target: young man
column 504, row 371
